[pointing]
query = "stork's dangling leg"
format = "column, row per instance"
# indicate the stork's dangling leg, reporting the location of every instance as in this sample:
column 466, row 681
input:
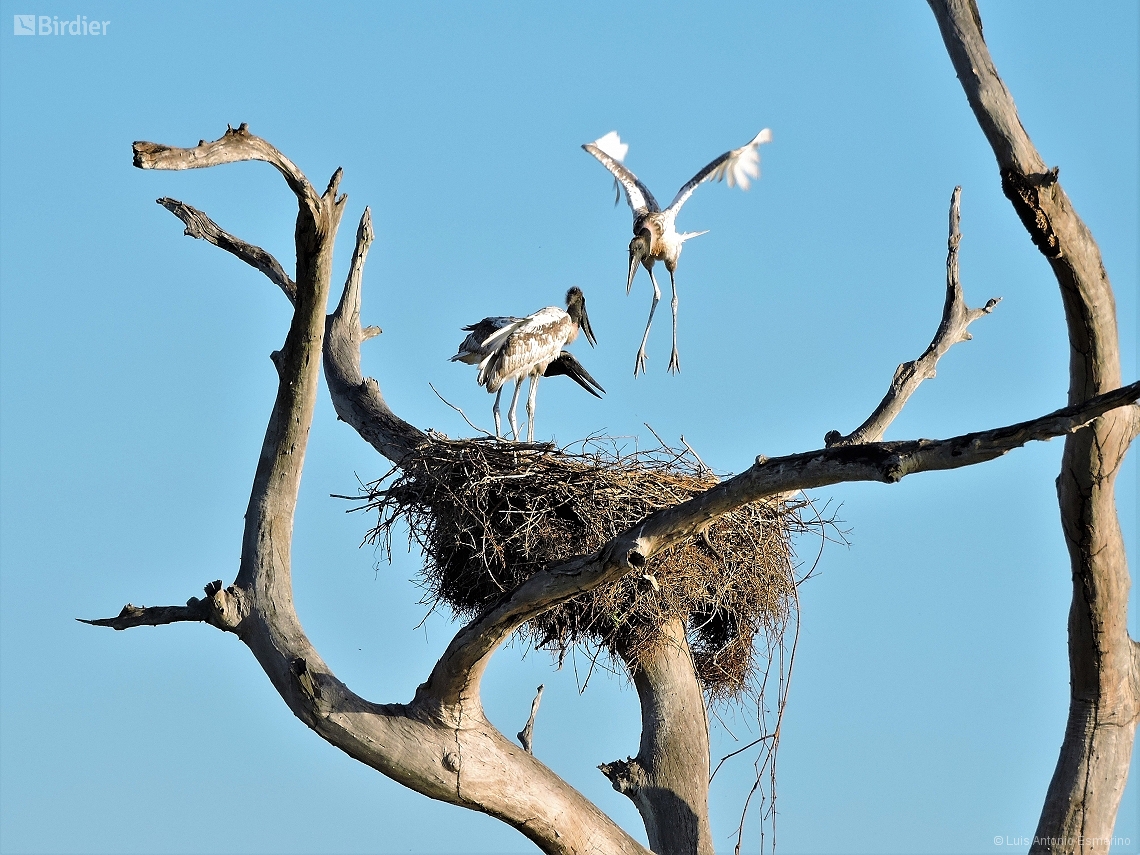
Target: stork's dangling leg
column 511, row 413
column 530, row 403
column 639, row 365
column 495, row 410
column 674, row 360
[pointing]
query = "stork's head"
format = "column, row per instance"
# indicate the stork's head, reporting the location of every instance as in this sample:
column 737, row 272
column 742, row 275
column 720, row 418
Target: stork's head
column 638, row 249
column 576, row 309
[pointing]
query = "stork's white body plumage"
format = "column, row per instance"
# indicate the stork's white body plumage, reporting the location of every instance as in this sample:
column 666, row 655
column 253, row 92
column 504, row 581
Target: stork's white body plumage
column 508, row 348
column 655, row 235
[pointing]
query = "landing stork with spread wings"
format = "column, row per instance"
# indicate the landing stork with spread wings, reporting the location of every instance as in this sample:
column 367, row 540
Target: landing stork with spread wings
column 508, row 348
column 655, row 235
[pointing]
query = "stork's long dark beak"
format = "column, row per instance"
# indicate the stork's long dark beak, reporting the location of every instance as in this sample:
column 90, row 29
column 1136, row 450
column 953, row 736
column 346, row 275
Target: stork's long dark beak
column 634, row 260
column 572, row 368
column 585, row 326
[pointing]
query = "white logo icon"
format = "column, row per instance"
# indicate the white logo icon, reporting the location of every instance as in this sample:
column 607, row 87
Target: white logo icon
column 51, row 25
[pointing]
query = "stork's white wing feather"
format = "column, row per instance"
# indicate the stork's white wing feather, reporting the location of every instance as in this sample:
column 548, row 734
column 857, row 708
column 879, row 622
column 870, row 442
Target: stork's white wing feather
column 494, row 340
column 743, row 164
column 740, row 166
column 612, row 145
column 474, row 348
column 526, row 346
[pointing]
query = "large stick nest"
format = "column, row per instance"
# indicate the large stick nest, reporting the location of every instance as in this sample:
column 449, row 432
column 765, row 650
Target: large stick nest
column 488, row 515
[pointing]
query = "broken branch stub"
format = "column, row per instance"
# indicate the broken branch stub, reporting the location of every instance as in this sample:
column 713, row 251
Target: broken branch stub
column 526, row 735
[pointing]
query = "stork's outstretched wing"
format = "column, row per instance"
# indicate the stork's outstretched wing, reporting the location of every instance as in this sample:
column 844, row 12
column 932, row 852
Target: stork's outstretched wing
column 609, row 150
column 612, row 145
column 740, row 166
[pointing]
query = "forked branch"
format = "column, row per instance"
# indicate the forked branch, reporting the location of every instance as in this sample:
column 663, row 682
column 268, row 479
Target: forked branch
column 956, row 317
column 460, row 759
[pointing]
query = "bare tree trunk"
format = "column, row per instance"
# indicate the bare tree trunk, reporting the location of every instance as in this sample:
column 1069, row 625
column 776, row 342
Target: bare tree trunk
column 668, row 781
column 1104, row 663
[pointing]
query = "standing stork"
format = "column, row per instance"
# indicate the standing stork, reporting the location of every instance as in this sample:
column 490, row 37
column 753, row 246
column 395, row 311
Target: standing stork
column 655, row 235
column 516, row 348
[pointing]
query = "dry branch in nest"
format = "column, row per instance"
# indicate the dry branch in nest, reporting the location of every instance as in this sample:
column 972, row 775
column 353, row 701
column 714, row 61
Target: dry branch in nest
column 488, row 515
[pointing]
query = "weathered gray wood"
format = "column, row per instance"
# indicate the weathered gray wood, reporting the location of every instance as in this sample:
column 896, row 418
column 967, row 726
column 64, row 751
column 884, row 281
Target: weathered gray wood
column 234, row 146
column 668, row 780
column 526, row 735
column 956, row 317
column 356, row 398
column 200, row 226
column 1104, row 662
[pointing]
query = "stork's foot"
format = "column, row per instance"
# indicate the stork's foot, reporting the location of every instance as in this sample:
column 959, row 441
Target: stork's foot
column 639, row 365
column 674, row 363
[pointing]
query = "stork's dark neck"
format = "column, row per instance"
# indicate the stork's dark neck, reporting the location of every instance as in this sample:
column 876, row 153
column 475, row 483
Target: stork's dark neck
column 575, row 305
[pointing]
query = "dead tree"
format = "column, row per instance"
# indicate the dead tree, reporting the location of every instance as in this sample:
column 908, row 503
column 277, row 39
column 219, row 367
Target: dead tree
column 442, row 745
column 1104, row 662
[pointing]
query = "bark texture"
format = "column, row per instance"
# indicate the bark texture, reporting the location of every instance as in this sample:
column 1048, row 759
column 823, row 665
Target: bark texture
column 1104, row 662
column 668, row 780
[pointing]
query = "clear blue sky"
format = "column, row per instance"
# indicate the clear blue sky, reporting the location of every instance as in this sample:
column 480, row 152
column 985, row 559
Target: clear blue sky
column 930, row 692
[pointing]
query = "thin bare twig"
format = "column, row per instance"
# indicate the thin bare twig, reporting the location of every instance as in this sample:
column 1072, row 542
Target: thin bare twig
column 732, row 754
column 458, row 410
column 663, row 443
column 706, row 467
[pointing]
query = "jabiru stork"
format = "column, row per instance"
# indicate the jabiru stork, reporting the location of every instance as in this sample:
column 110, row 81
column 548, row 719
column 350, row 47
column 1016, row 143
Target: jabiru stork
column 507, row 348
column 655, row 237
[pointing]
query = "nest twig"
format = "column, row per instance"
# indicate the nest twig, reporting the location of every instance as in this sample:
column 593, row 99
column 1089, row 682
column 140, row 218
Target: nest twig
column 489, row 514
